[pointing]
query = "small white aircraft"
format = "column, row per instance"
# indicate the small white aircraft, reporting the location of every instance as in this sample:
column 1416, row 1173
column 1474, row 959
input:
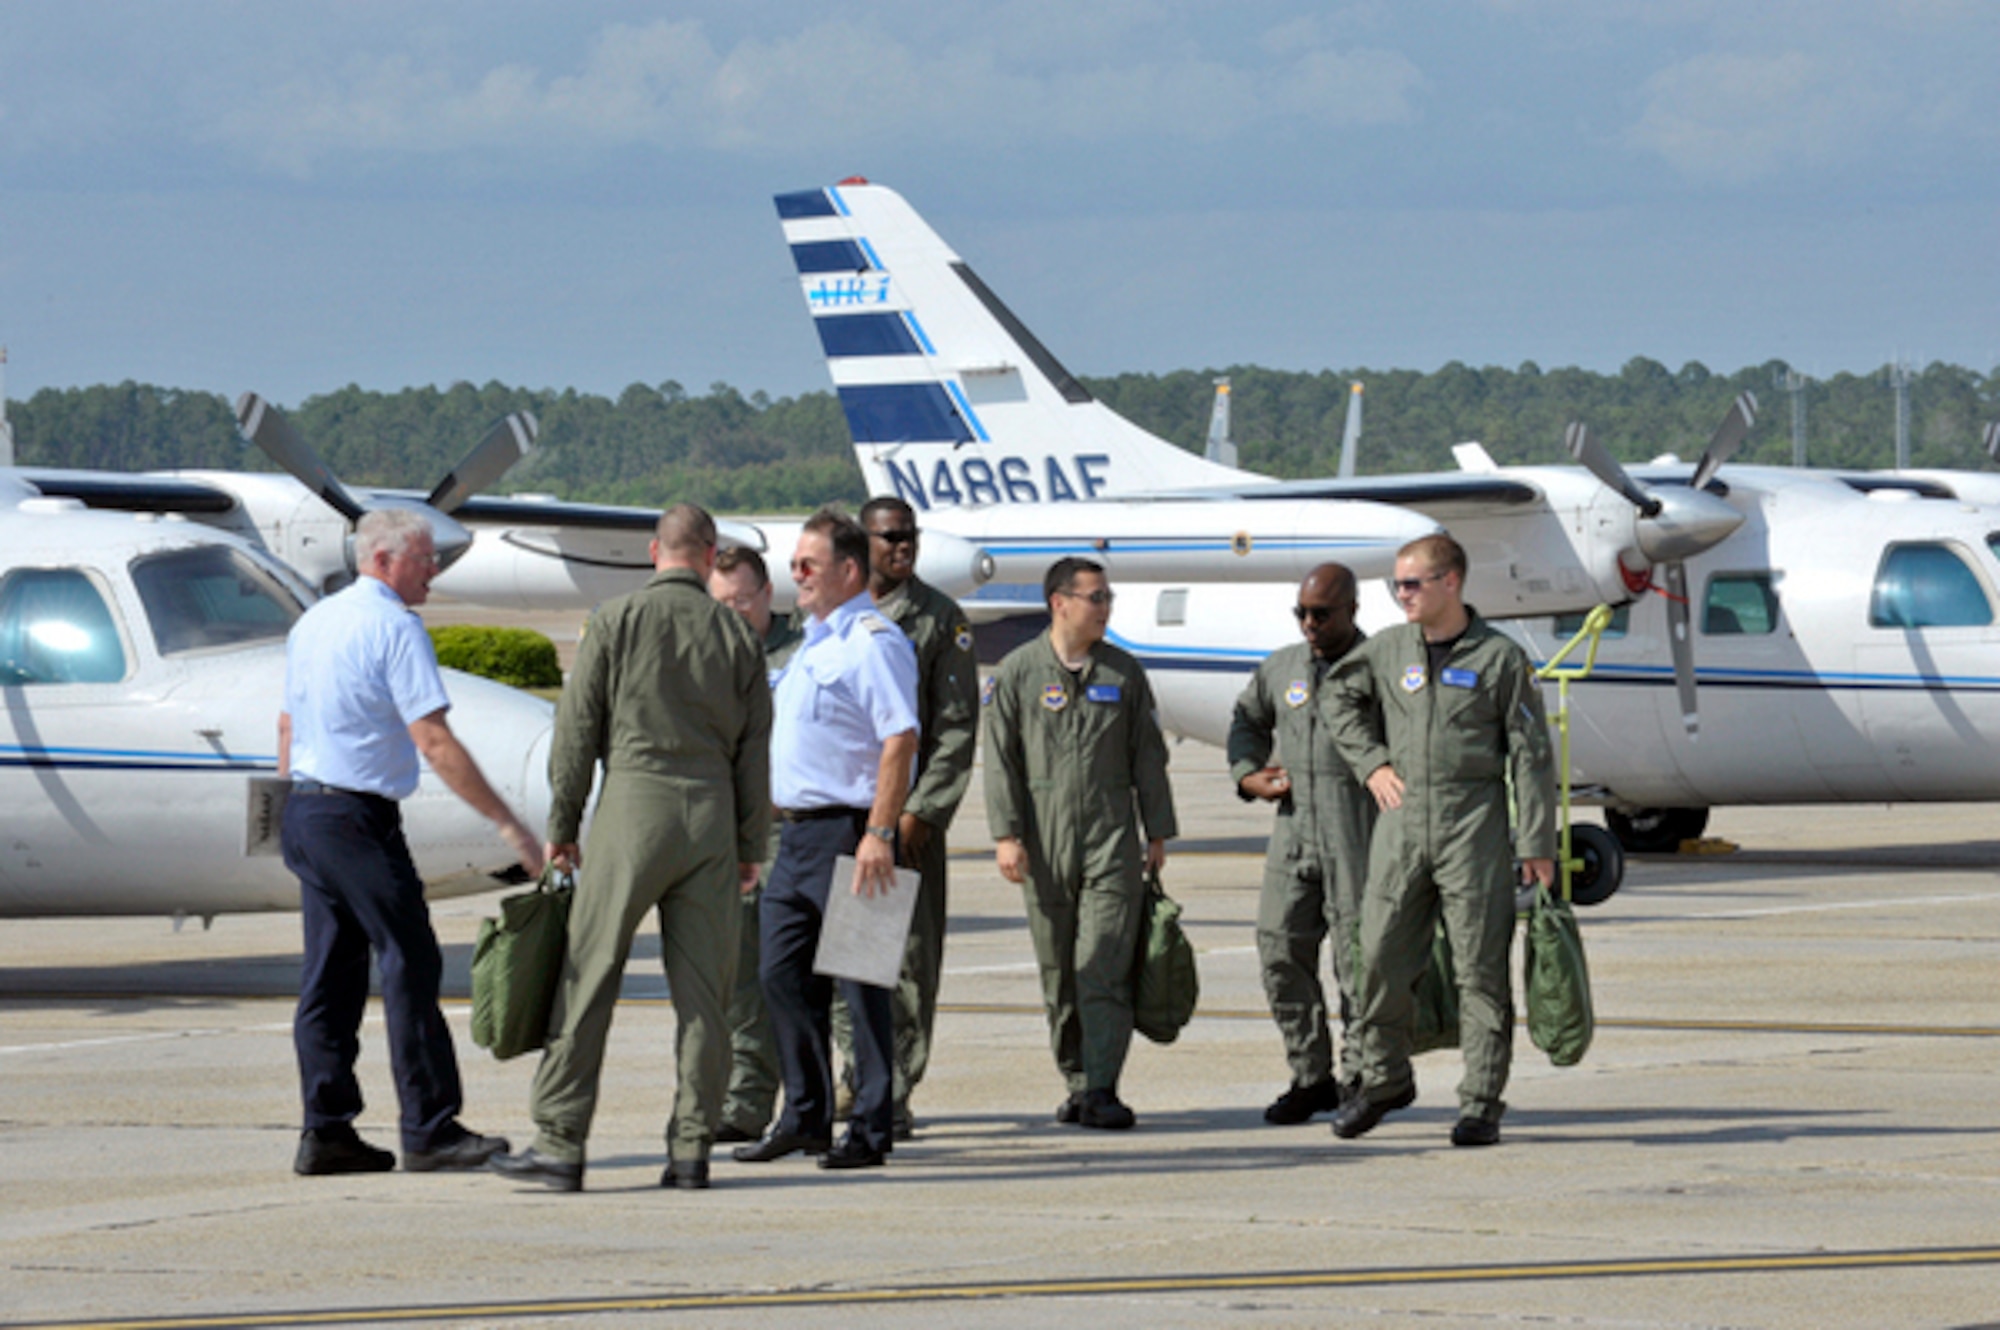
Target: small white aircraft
column 1841, row 632
column 142, row 666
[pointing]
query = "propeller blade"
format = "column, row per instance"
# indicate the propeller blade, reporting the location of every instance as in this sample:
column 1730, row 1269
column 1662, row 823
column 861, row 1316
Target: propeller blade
column 505, row 444
column 264, row 425
column 1598, row 460
column 1681, row 639
column 1729, row 436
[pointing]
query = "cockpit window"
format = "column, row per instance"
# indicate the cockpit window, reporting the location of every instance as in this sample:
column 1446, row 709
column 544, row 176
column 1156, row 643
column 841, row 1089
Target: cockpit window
column 1927, row 586
column 56, row 627
column 212, row 596
column 1739, row 605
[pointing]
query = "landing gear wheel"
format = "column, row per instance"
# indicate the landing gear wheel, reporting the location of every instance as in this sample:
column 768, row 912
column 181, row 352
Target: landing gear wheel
column 1656, row 830
column 1603, row 864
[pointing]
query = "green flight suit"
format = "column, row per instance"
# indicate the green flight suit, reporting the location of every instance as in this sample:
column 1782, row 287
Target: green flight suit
column 669, row 694
column 1317, row 860
column 753, row 1049
column 1456, row 741
column 948, row 718
column 1075, row 767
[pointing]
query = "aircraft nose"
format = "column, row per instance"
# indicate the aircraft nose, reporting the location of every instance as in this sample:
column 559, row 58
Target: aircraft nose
column 1689, row 521
column 535, row 783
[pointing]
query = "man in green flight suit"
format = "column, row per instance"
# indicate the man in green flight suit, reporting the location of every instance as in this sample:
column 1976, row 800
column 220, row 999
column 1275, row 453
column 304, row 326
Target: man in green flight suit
column 1437, row 716
column 948, row 714
column 669, row 694
column 1318, row 856
column 743, row 583
column 1076, row 766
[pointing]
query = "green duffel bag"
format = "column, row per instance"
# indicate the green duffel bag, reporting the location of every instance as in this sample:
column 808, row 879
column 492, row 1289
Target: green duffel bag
column 1560, row 1018
column 517, row 964
column 1436, row 995
column 1167, row 986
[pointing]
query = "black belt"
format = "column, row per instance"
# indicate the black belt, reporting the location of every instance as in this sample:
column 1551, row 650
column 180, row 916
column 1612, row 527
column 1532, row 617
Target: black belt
column 307, row 785
column 821, row 814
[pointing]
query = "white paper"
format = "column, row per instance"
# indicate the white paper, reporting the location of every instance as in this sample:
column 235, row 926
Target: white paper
column 862, row 937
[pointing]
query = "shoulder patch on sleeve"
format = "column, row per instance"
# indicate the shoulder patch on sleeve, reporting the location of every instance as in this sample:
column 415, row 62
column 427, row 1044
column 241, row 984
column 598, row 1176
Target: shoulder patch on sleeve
column 987, row 689
column 963, row 637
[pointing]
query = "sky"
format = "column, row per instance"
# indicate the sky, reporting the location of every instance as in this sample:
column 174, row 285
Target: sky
column 233, row 194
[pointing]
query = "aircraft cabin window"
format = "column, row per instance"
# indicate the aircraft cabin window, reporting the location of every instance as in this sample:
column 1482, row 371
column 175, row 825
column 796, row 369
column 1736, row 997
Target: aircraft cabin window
column 1927, row 586
column 1566, row 626
column 56, row 627
column 212, row 596
column 1740, row 604
column 1171, row 610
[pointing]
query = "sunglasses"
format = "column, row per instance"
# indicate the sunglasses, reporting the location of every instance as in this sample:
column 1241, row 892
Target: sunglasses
column 1312, row 613
column 1100, row 597
column 902, row 535
column 1410, row 586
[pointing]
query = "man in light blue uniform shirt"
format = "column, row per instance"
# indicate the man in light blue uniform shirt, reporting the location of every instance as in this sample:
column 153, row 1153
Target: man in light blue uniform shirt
column 362, row 698
column 843, row 747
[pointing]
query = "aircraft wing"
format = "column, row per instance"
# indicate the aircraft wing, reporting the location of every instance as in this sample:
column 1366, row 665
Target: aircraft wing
column 1435, row 494
column 131, row 493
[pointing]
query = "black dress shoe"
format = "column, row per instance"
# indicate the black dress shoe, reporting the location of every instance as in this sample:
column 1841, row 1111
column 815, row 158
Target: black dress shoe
column 852, row 1152
column 730, row 1134
column 1300, row 1102
column 686, row 1175
column 777, row 1145
column 1104, row 1110
column 1475, row 1131
column 1070, row 1111
column 469, row 1151
column 532, row 1166
column 1360, row 1115
column 325, row 1151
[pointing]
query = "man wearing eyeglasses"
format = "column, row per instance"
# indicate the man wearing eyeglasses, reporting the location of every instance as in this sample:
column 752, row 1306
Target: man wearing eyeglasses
column 843, row 746
column 1438, row 715
column 1076, row 770
column 948, row 721
column 1318, row 856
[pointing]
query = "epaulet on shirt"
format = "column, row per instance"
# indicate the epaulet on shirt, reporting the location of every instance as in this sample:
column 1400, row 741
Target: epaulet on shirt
column 875, row 623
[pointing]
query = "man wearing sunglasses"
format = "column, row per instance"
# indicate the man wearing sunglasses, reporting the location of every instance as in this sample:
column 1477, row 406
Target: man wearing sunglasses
column 1075, row 768
column 1438, row 715
column 948, row 721
column 1318, row 856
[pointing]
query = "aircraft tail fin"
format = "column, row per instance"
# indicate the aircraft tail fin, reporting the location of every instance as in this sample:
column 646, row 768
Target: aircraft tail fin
column 1221, row 449
column 949, row 397
column 1350, row 437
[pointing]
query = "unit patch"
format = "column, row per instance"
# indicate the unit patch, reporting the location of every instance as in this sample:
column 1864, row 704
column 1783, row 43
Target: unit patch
column 1054, row 697
column 1413, row 678
column 963, row 637
column 1103, row 692
column 1296, row 693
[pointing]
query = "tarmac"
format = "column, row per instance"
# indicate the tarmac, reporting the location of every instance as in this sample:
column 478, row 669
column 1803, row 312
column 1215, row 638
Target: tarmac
column 1787, row 1119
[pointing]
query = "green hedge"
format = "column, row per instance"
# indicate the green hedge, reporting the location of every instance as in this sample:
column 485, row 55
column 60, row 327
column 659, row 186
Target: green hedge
column 521, row 657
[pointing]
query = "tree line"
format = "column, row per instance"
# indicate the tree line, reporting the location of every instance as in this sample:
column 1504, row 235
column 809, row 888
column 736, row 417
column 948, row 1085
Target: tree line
column 739, row 454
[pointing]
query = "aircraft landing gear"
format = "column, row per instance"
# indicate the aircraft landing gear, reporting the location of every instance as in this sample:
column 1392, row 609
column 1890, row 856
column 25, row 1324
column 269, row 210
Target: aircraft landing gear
column 1603, row 864
column 1656, row 830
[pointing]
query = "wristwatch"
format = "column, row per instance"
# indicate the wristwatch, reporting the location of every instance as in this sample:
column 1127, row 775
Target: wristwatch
column 885, row 833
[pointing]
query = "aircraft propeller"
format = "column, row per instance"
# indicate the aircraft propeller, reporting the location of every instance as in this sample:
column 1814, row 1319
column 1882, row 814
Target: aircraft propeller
column 505, row 444
column 1675, row 523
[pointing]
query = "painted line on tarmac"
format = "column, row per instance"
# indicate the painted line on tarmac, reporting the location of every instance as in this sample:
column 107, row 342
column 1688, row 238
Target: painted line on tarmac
column 154, row 1037
column 1002, row 1290
column 1884, row 903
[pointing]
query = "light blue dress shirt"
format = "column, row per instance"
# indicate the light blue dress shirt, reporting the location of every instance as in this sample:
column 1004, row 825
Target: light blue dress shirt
column 850, row 686
column 359, row 668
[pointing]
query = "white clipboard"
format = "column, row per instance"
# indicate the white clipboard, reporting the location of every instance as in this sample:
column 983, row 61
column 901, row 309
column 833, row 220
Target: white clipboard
column 861, row 937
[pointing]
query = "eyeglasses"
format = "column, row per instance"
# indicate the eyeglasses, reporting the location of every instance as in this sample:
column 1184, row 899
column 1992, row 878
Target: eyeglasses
column 1312, row 613
column 805, row 567
column 1100, row 597
column 902, row 535
column 1410, row 586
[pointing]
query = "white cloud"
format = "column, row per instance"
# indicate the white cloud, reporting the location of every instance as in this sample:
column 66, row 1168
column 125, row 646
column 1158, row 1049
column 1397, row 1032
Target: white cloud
column 1734, row 118
column 829, row 85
